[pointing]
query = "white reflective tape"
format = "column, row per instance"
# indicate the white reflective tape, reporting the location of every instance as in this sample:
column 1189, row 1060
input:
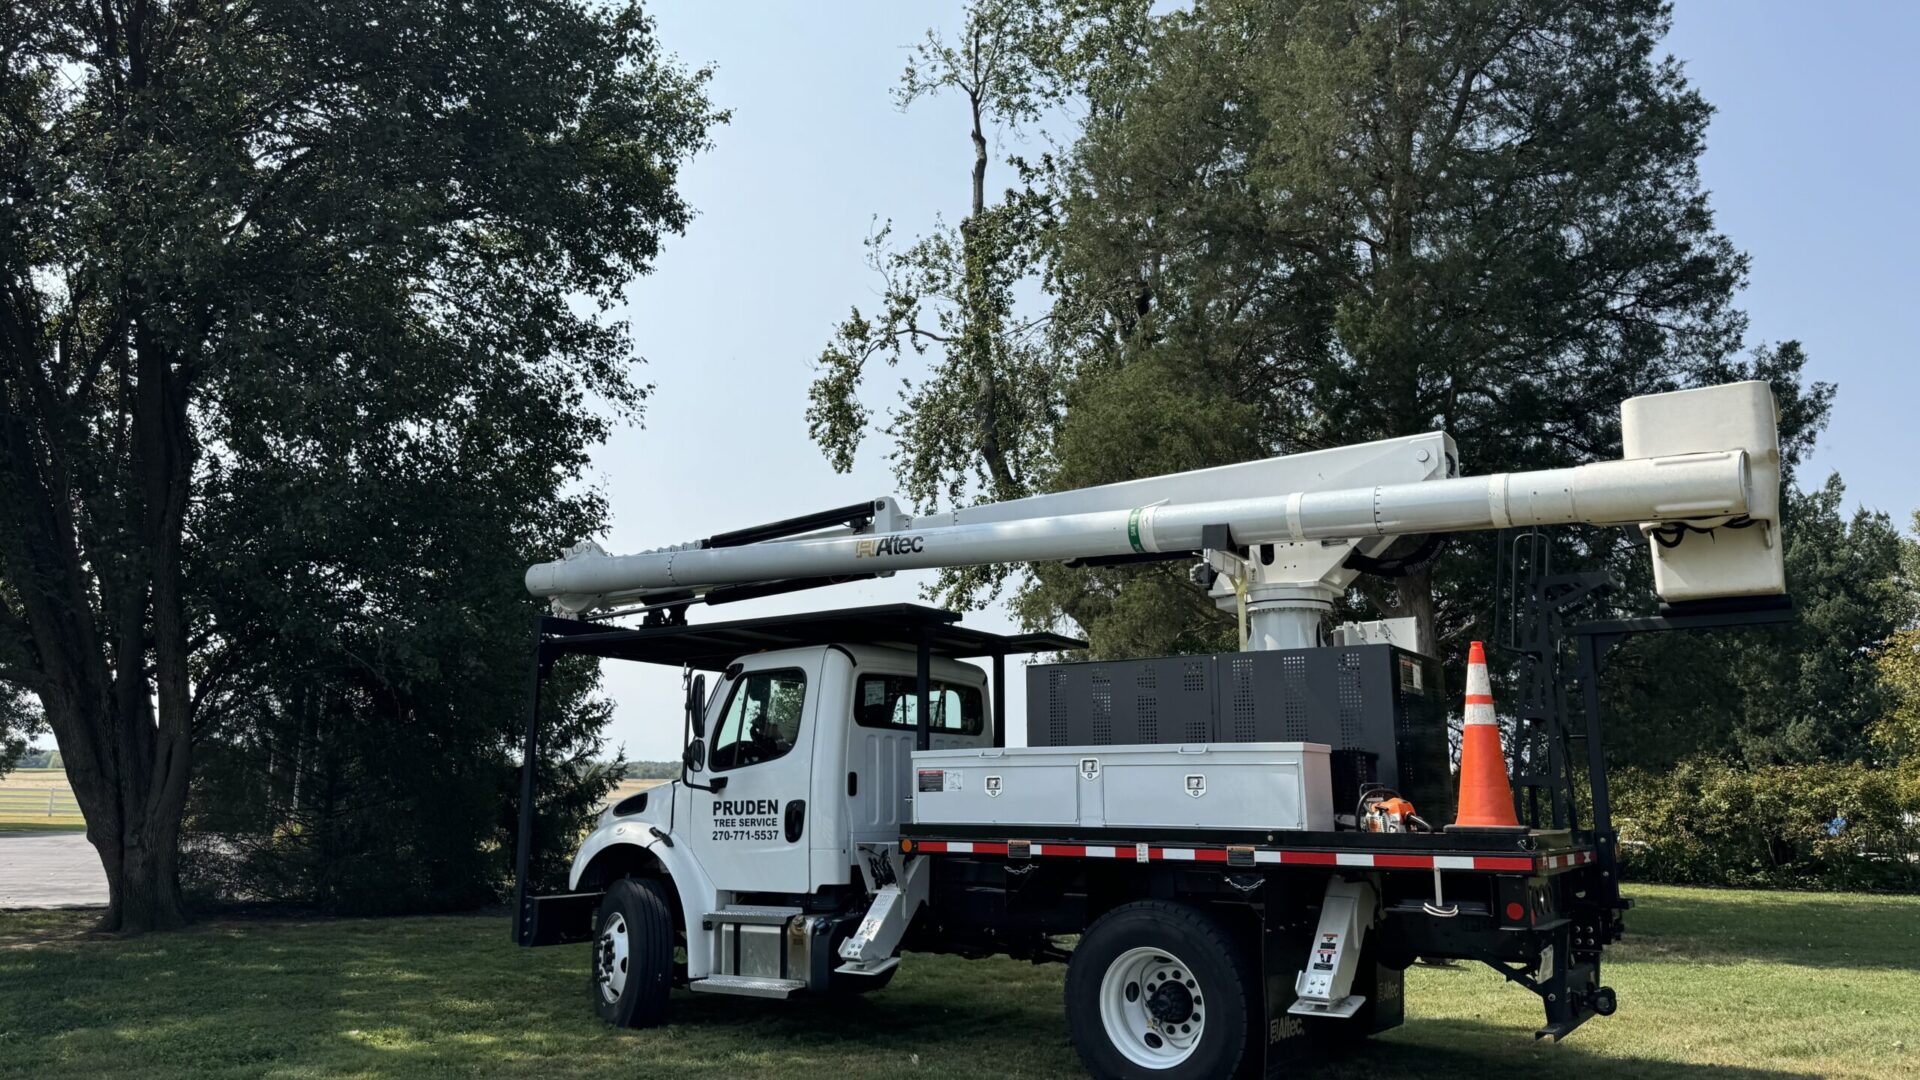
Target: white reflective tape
column 1176, row 853
column 1350, row 858
column 1266, row 856
column 962, row 847
column 1102, row 853
column 1453, row 862
column 1497, row 501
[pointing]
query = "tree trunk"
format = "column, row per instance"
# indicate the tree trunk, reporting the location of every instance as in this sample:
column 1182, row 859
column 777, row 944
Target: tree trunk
column 145, row 894
column 133, row 821
column 981, row 324
column 1413, row 599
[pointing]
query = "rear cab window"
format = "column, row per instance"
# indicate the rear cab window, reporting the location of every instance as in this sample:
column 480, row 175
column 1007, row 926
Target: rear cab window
column 893, row 701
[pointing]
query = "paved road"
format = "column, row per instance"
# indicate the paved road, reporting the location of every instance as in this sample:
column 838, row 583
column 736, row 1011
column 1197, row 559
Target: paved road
column 49, row 870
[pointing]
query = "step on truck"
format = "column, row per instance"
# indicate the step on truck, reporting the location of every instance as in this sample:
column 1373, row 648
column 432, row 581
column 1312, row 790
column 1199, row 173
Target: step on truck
column 1236, row 855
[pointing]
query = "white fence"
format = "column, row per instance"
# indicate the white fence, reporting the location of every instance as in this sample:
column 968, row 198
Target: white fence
column 20, row 800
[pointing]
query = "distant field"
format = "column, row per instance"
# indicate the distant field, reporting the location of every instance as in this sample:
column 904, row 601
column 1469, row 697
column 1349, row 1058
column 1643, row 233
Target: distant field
column 27, row 796
column 631, row 787
column 1714, row 985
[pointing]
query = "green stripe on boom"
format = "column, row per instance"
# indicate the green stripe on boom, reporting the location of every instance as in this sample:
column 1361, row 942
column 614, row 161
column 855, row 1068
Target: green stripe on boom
column 1133, row 530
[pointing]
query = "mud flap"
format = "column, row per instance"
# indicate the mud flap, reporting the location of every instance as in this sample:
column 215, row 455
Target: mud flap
column 1288, row 1041
column 1295, row 1041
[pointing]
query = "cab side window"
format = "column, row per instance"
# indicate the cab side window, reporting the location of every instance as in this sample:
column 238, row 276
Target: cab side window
column 761, row 721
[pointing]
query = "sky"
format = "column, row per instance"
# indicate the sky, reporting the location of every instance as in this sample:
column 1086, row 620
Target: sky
column 1811, row 161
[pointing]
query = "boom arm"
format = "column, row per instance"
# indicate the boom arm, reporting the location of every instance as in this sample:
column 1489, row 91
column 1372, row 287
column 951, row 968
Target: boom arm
column 1304, row 514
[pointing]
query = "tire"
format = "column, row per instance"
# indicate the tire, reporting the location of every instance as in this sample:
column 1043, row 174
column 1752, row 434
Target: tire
column 632, row 965
column 1163, row 990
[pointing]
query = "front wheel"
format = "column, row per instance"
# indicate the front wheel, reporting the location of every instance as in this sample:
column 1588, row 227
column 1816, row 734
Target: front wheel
column 1158, row 989
column 633, row 954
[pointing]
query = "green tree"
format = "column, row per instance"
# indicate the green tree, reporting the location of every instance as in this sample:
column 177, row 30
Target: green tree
column 1896, row 735
column 1329, row 223
column 977, row 422
column 215, row 215
column 1288, row 225
column 19, row 723
column 1805, row 692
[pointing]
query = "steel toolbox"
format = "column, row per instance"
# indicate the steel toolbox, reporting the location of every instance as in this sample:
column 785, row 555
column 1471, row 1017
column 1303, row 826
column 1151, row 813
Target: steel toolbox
column 1277, row 785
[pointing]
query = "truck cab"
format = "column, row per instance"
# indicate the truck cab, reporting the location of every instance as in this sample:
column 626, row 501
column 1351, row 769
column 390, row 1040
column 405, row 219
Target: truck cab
column 797, row 777
column 802, row 755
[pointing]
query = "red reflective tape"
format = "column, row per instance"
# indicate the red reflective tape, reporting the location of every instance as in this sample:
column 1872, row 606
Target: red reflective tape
column 931, row 846
column 1310, row 858
column 1493, row 862
column 1156, row 853
column 1075, row 851
column 1210, row 855
column 986, row 848
column 1403, row 862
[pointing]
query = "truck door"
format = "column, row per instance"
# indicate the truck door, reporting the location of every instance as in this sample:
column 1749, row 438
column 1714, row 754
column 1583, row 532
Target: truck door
column 886, row 710
column 752, row 834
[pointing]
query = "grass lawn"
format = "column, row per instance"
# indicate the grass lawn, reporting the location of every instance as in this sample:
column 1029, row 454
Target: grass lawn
column 10, row 826
column 1714, row 984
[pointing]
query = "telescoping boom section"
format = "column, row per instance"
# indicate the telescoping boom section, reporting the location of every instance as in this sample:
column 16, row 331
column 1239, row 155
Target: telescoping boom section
column 1249, row 847
column 1702, row 459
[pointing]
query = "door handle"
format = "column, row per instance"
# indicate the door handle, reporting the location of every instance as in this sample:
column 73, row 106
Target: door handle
column 796, row 820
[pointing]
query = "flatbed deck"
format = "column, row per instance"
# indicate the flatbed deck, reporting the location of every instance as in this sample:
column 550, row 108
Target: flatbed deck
column 1533, row 852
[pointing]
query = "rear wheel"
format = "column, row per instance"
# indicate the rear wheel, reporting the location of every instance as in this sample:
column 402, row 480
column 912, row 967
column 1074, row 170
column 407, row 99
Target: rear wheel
column 633, row 954
column 1158, row 989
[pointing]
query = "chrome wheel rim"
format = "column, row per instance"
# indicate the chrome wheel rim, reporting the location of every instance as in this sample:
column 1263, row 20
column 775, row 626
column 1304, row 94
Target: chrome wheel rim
column 610, row 957
column 1153, row 1008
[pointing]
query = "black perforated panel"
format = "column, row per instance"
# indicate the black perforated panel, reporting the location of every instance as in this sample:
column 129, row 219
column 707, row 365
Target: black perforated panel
column 1381, row 709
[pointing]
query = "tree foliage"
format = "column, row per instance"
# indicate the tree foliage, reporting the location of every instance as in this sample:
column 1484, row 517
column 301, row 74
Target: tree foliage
column 19, row 723
column 1330, row 223
column 1809, row 826
column 977, row 423
column 1896, row 734
column 1282, row 226
column 284, row 290
column 1804, row 692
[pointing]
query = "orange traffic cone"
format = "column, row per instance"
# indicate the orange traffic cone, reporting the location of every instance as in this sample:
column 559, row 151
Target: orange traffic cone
column 1486, row 798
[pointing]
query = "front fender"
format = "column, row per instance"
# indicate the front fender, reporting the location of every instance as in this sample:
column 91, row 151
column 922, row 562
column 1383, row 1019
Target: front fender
column 690, row 881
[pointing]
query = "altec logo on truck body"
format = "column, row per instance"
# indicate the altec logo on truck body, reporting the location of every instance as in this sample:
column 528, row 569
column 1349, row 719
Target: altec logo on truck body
column 888, row 545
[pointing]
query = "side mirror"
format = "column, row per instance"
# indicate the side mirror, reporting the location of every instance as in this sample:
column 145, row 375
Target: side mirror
column 697, row 705
column 696, row 758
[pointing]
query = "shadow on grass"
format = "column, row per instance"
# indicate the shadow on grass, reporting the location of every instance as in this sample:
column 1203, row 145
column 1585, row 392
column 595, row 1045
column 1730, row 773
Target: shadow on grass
column 407, row 998
column 1847, row 930
column 1439, row 1054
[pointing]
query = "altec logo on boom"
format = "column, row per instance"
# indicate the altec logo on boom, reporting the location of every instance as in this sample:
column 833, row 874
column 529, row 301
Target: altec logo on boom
column 888, row 545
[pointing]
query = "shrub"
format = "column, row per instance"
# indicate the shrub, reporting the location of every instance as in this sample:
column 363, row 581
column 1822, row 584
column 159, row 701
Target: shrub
column 1800, row 826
